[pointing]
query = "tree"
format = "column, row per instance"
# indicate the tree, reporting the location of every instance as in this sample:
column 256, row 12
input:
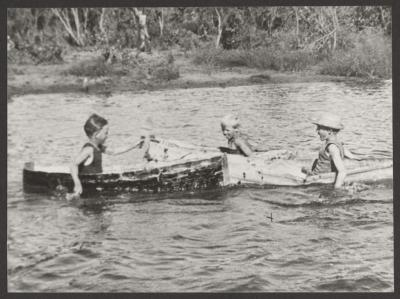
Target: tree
column 101, row 25
column 228, row 21
column 160, row 17
column 69, row 17
column 143, row 35
column 219, row 27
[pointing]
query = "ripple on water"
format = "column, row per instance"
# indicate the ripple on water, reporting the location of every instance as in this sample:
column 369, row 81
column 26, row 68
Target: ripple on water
column 363, row 284
column 235, row 241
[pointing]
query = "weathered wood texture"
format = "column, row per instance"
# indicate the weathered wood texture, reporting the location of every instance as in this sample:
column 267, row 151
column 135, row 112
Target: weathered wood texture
column 179, row 167
column 239, row 170
column 187, row 176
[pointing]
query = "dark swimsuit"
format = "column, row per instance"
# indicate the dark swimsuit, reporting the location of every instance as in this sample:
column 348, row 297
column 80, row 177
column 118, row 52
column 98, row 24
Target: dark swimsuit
column 324, row 162
column 96, row 165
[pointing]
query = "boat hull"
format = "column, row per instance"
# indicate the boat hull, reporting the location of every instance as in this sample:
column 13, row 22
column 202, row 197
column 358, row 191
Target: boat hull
column 178, row 167
column 191, row 175
column 240, row 170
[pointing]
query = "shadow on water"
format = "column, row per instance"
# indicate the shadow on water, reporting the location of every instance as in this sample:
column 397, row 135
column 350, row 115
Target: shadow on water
column 323, row 195
column 313, row 196
column 100, row 203
column 370, row 84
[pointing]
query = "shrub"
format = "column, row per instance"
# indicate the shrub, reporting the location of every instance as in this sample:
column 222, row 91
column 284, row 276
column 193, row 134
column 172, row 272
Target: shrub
column 283, row 40
column 185, row 39
column 370, row 56
column 206, row 55
column 341, row 64
column 47, row 53
column 91, row 68
column 38, row 52
column 19, row 57
column 262, row 58
column 166, row 72
column 232, row 58
column 296, row 60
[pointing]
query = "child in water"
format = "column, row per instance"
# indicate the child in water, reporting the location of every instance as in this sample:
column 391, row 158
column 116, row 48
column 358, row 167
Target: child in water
column 331, row 155
column 237, row 143
column 89, row 159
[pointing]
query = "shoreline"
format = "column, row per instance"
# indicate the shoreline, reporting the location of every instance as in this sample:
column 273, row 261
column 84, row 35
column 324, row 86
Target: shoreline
column 53, row 78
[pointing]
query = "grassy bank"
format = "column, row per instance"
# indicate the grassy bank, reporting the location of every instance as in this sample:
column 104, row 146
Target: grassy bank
column 362, row 56
column 367, row 55
column 352, row 41
column 261, row 58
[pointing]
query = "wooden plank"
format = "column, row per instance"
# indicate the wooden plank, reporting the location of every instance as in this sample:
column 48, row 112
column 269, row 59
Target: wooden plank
column 188, row 175
column 255, row 171
column 245, row 170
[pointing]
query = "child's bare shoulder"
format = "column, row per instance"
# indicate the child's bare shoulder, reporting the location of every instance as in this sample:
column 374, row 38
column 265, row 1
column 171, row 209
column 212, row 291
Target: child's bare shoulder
column 239, row 140
column 332, row 148
column 87, row 149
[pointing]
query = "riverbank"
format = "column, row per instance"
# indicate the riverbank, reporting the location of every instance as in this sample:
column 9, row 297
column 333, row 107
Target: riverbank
column 139, row 77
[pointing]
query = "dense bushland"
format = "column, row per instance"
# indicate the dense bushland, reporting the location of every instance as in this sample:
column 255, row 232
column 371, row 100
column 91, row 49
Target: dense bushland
column 369, row 55
column 336, row 40
column 262, row 58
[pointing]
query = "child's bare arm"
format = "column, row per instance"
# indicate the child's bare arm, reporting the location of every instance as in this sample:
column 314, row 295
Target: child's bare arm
column 122, row 150
column 85, row 153
column 348, row 154
column 241, row 144
column 337, row 159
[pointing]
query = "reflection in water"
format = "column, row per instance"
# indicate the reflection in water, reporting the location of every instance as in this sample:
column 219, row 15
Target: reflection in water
column 312, row 239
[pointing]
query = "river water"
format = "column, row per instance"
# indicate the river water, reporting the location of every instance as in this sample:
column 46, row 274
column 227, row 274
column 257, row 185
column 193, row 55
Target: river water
column 241, row 240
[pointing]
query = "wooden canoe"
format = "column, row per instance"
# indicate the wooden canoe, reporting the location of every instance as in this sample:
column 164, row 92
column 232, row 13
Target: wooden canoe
column 200, row 173
column 179, row 167
column 279, row 172
column 275, row 167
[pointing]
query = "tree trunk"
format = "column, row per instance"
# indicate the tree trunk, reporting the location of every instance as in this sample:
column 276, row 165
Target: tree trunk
column 35, row 17
column 75, row 13
column 67, row 25
column 297, row 25
column 143, row 35
column 335, row 27
column 10, row 43
column 271, row 20
column 219, row 28
column 321, row 20
column 101, row 25
column 161, row 21
column 384, row 21
column 85, row 20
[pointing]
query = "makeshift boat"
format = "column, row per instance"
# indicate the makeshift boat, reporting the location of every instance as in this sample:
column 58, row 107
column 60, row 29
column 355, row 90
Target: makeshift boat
column 192, row 174
column 274, row 167
column 176, row 166
column 239, row 170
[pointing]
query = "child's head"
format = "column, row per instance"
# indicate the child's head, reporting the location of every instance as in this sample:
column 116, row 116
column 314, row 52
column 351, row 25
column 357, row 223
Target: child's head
column 328, row 124
column 229, row 125
column 96, row 127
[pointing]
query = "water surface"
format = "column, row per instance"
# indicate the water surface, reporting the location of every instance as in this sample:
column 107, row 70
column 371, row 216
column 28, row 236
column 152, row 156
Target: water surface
column 316, row 239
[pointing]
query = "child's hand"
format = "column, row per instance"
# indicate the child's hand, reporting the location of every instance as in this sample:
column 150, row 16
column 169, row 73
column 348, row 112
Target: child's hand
column 305, row 170
column 78, row 189
column 72, row 196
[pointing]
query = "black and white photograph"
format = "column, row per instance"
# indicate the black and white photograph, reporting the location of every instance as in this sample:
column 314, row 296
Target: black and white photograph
column 200, row 149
